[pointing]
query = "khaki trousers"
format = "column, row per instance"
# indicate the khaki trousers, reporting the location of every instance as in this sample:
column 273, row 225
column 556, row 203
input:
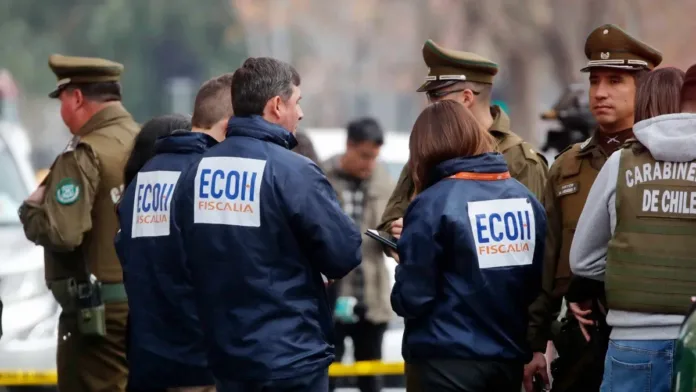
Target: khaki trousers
column 93, row 363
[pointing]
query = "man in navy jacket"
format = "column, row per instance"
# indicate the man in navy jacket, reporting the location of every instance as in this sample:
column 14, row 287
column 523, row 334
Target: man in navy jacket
column 165, row 341
column 260, row 225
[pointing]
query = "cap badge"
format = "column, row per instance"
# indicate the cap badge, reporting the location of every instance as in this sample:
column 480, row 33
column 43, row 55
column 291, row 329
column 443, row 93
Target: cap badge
column 604, row 55
column 63, row 82
column 452, row 77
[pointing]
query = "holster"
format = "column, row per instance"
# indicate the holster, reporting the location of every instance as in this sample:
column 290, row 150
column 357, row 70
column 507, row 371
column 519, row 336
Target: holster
column 580, row 364
column 79, row 292
column 84, row 300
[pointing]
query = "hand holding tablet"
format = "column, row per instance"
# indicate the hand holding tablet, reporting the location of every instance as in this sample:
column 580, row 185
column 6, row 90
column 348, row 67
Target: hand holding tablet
column 382, row 237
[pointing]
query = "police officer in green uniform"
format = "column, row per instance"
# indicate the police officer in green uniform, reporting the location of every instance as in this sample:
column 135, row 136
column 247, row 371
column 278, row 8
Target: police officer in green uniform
column 615, row 62
column 72, row 215
column 468, row 78
column 635, row 234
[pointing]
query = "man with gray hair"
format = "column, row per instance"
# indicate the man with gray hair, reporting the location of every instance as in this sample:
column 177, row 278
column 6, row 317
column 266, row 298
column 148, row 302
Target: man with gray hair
column 260, row 225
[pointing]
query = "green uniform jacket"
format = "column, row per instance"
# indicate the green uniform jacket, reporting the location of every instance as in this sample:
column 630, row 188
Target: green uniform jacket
column 570, row 178
column 78, row 212
column 76, row 224
column 525, row 164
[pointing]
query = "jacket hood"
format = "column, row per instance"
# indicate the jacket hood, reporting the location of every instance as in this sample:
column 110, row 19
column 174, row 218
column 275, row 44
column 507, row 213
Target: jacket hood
column 670, row 137
column 256, row 127
column 491, row 162
column 184, row 142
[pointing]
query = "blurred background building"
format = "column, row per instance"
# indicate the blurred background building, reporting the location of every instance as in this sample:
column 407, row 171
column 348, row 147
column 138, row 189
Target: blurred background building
column 358, row 57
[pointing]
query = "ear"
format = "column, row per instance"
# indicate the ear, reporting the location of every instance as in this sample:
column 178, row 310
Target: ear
column 277, row 103
column 468, row 98
column 79, row 98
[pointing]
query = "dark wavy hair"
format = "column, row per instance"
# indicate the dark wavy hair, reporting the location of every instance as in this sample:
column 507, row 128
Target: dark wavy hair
column 144, row 144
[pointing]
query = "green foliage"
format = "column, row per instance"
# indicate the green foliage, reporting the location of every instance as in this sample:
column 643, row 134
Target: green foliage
column 154, row 39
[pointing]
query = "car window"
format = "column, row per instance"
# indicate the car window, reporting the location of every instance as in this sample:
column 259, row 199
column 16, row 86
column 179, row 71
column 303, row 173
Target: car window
column 13, row 190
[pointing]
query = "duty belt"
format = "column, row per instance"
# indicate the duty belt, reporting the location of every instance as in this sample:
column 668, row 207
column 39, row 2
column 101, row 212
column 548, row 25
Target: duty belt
column 113, row 292
column 67, row 291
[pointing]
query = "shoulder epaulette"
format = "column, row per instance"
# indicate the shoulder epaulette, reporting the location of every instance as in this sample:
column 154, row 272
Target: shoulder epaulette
column 564, row 150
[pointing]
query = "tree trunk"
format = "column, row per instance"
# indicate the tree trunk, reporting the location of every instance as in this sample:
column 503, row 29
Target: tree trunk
column 523, row 104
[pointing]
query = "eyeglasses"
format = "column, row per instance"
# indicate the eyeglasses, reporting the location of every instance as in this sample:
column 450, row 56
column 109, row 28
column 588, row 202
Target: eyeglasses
column 438, row 94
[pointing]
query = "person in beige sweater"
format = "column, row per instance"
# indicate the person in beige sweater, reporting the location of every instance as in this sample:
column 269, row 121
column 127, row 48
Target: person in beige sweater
column 363, row 187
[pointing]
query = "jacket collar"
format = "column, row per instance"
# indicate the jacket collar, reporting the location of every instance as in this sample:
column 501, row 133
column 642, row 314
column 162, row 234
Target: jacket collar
column 592, row 144
column 491, row 162
column 501, row 121
column 256, row 127
column 183, row 142
column 112, row 113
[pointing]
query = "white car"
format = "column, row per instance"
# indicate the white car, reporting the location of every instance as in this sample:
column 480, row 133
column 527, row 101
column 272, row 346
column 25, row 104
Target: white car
column 394, row 155
column 30, row 314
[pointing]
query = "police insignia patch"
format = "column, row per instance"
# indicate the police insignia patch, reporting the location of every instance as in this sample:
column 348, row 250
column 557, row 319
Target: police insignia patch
column 67, row 191
column 567, row 189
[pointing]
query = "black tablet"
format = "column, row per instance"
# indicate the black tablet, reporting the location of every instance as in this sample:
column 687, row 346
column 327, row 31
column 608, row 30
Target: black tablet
column 383, row 237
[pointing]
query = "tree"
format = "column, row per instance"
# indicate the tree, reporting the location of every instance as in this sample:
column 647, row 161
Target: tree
column 154, row 39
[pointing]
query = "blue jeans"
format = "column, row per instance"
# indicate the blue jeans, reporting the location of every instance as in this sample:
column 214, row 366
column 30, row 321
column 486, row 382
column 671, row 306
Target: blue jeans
column 639, row 366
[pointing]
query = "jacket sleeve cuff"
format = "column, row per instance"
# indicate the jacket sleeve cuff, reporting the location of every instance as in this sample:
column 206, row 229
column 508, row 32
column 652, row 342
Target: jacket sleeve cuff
column 537, row 340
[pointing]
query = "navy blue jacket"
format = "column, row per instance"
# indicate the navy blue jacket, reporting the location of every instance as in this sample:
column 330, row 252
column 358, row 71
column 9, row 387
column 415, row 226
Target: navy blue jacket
column 260, row 225
column 165, row 340
column 471, row 264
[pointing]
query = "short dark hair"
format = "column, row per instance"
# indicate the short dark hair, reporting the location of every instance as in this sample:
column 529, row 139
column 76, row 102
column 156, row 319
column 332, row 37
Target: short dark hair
column 258, row 80
column 144, row 144
column 658, row 93
column 365, row 129
column 443, row 131
column 483, row 90
column 98, row 92
column 213, row 102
